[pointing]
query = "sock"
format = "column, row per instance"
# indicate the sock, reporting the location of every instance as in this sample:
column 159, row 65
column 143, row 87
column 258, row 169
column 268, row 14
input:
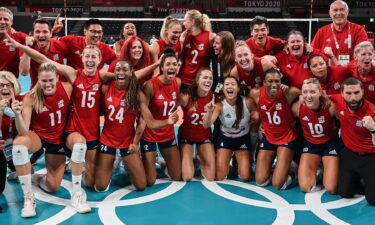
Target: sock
column 25, row 182
column 43, row 184
column 76, row 180
column 287, row 182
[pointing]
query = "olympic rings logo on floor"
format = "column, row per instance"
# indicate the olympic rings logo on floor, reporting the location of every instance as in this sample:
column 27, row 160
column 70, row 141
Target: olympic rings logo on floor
column 285, row 210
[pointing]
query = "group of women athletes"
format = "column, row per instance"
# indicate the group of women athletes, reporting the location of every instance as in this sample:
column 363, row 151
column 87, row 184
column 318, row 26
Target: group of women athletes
column 244, row 93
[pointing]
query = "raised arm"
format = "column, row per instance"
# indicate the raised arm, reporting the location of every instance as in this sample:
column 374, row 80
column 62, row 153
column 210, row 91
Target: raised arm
column 22, row 111
column 213, row 111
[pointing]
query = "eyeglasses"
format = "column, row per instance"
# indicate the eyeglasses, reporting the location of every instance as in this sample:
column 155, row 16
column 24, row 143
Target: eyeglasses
column 96, row 31
column 7, row 85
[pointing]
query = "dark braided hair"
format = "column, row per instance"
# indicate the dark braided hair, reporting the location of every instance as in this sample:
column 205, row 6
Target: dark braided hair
column 131, row 97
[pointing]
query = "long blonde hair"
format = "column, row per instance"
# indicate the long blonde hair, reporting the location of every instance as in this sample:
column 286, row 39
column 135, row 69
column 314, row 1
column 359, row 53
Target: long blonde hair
column 36, row 92
column 169, row 21
column 200, row 20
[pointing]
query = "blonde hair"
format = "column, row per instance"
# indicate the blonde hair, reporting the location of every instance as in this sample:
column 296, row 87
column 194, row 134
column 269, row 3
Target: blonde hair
column 362, row 44
column 3, row 9
column 12, row 79
column 240, row 43
column 200, row 20
column 313, row 81
column 36, row 92
column 93, row 47
column 169, row 21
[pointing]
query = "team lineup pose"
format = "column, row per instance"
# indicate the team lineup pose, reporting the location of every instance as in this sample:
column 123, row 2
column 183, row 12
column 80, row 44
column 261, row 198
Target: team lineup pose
column 265, row 88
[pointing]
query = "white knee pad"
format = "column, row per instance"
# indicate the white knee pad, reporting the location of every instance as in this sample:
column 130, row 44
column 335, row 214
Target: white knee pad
column 20, row 155
column 106, row 189
column 265, row 183
column 79, row 152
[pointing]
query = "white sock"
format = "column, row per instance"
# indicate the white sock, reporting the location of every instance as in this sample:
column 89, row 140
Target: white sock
column 315, row 188
column 43, row 184
column 287, row 182
column 25, row 182
column 76, row 180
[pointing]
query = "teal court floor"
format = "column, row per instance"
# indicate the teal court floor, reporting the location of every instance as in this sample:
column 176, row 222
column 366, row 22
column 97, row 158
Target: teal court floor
column 179, row 203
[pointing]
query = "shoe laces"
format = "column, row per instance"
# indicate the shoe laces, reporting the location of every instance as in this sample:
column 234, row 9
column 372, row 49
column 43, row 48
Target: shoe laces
column 29, row 200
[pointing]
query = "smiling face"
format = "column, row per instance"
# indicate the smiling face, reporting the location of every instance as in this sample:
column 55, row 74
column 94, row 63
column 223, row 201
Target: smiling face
column 170, row 68
column 6, row 89
column 173, row 33
column 318, row 67
column 295, row 45
column 129, row 30
column 123, row 72
column 136, row 51
column 260, row 33
column 93, row 34
column 364, row 57
column 5, row 22
column 42, row 35
column 339, row 13
column 244, row 58
column 188, row 22
column 311, row 94
column 218, row 45
column 231, row 88
column 205, row 81
column 90, row 60
column 47, row 81
column 272, row 82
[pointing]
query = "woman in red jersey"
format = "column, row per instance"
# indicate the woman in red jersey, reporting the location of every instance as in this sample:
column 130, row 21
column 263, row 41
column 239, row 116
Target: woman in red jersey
column 123, row 101
column 8, row 86
column 169, row 37
column 129, row 30
column 321, row 141
column 279, row 133
column 192, row 132
column 83, row 123
column 197, row 42
column 162, row 98
column 234, row 112
column 330, row 77
column 40, row 122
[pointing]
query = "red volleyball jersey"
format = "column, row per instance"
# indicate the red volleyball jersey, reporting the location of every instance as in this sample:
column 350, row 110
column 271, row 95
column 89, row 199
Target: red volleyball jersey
column 10, row 56
column 162, row 45
column 57, row 52
column 50, row 122
column 161, row 105
column 277, row 119
column 192, row 128
column 273, row 46
column 295, row 70
column 368, row 83
column 326, row 38
column 195, row 55
column 84, row 117
column 118, row 130
column 335, row 76
column 254, row 78
column 76, row 44
column 355, row 136
column 318, row 125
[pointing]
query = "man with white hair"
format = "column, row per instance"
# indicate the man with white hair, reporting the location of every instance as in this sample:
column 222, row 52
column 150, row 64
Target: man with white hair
column 9, row 57
column 339, row 38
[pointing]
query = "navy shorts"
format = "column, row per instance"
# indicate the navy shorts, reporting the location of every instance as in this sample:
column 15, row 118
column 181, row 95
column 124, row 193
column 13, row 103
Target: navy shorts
column 265, row 145
column 153, row 146
column 234, row 144
column 93, row 145
column 55, row 149
column 105, row 149
column 330, row 148
column 183, row 141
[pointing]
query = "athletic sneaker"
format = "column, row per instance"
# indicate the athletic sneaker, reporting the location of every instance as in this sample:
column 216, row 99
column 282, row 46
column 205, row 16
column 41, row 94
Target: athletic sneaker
column 78, row 203
column 29, row 206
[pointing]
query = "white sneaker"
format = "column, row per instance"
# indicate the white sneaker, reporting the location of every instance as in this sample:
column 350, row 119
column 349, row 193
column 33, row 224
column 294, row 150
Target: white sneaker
column 78, row 203
column 29, row 205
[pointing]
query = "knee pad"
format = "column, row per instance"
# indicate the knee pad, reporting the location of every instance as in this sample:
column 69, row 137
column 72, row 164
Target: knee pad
column 79, row 152
column 106, row 189
column 20, row 155
column 265, row 183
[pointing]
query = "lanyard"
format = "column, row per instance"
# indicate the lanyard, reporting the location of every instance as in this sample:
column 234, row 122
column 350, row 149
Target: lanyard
column 349, row 38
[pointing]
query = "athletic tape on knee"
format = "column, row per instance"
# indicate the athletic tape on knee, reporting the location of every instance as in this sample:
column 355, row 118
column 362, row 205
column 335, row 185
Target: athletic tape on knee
column 79, row 152
column 265, row 183
column 106, row 189
column 20, row 155
column 287, row 182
